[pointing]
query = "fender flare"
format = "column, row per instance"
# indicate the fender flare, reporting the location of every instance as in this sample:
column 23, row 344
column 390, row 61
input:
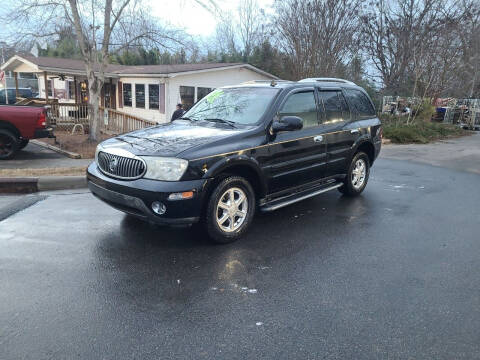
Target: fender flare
column 242, row 160
column 9, row 126
column 365, row 138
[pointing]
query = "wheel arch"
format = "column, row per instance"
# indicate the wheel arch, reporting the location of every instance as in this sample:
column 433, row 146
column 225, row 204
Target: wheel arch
column 368, row 148
column 9, row 126
column 243, row 166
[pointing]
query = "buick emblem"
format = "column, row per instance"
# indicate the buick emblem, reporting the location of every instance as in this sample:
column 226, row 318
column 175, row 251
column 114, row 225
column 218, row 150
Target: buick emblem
column 112, row 165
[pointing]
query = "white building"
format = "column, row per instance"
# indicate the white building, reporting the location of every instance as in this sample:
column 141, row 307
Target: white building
column 150, row 92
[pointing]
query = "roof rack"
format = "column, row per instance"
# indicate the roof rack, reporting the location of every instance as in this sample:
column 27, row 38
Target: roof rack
column 264, row 81
column 327, row 80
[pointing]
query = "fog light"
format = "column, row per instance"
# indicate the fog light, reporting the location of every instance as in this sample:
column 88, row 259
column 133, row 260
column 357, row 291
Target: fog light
column 181, row 196
column 159, row 208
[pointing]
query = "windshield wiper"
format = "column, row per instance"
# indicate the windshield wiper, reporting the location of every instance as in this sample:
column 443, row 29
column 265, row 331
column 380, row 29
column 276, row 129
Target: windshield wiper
column 187, row 118
column 142, row 138
column 223, row 121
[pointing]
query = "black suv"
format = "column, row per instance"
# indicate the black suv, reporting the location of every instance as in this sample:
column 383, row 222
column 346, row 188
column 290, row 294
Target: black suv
column 260, row 145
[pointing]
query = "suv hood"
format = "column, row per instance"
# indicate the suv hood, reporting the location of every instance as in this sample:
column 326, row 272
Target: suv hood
column 169, row 139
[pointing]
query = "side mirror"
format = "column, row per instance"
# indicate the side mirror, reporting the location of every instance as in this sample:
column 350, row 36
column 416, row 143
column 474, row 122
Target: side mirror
column 287, row 123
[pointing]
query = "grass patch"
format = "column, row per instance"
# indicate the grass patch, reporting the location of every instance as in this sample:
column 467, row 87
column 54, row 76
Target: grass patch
column 420, row 132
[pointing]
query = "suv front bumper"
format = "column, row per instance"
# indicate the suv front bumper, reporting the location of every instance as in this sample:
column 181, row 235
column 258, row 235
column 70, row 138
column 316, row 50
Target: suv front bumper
column 135, row 197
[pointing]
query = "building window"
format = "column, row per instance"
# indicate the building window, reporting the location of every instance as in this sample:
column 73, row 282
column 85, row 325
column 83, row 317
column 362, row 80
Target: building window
column 202, row 92
column 127, row 94
column 153, row 96
column 71, row 90
column 140, row 96
column 187, row 95
column 24, row 75
column 49, row 87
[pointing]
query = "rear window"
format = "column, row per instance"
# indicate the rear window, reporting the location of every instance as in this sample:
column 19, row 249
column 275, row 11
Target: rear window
column 360, row 102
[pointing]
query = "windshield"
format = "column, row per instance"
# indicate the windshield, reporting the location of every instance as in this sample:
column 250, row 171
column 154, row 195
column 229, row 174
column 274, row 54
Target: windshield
column 236, row 105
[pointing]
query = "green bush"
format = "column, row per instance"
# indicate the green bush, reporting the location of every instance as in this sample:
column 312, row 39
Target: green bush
column 424, row 111
column 419, row 132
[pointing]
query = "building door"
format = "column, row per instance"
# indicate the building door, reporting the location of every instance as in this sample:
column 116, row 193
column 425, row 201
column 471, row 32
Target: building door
column 108, row 93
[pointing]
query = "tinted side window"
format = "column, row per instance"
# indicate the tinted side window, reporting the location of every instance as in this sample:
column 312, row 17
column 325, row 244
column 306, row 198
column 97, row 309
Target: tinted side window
column 361, row 102
column 302, row 105
column 336, row 108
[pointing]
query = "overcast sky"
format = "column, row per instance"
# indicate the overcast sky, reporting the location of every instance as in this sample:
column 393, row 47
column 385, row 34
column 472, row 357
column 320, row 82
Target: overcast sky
column 192, row 17
column 186, row 14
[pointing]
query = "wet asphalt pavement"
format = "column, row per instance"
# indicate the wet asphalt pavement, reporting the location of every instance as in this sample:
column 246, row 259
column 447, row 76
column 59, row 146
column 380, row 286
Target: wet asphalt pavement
column 392, row 274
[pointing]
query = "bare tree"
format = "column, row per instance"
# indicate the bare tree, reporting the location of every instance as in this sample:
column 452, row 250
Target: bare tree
column 101, row 27
column 226, row 35
column 319, row 36
column 251, row 25
column 397, row 33
column 469, row 35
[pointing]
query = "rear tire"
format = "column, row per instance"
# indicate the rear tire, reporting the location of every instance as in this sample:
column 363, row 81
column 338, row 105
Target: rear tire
column 8, row 144
column 230, row 210
column 357, row 175
column 23, row 143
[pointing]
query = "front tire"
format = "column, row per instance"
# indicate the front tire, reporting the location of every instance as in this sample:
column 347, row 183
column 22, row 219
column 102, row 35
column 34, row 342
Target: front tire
column 357, row 175
column 230, row 210
column 23, row 144
column 8, row 144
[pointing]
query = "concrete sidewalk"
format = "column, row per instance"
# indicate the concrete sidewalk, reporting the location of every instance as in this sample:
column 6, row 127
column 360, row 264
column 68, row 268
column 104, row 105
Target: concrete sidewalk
column 36, row 168
column 36, row 157
column 459, row 154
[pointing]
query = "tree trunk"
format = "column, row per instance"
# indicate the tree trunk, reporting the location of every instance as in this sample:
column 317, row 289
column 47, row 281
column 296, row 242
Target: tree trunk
column 94, row 111
column 94, row 89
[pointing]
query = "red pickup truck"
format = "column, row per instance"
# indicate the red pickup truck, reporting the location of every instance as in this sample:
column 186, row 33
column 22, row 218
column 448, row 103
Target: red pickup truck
column 19, row 124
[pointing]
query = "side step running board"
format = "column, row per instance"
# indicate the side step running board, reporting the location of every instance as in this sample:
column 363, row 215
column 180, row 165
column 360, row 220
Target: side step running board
column 274, row 205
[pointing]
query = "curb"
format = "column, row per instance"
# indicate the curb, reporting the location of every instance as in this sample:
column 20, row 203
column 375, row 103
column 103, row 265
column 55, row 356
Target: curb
column 43, row 183
column 70, row 154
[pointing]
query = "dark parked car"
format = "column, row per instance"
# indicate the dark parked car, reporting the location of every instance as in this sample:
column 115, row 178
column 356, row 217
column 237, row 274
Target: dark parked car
column 11, row 93
column 260, row 145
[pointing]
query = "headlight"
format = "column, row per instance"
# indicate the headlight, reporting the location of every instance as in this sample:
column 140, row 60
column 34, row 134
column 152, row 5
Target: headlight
column 97, row 150
column 164, row 168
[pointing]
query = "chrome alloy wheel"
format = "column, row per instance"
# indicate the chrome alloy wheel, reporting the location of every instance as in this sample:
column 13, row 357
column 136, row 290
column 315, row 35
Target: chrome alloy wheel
column 232, row 209
column 359, row 173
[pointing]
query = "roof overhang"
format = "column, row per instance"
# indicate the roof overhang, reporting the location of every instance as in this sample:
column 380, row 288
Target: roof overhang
column 16, row 61
column 246, row 66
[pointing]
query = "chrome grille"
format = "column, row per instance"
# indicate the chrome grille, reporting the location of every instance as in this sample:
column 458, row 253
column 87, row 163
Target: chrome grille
column 120, row 166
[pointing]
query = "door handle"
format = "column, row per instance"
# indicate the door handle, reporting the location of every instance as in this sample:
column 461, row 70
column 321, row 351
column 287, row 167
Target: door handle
column 318, row 138
column 354, row 131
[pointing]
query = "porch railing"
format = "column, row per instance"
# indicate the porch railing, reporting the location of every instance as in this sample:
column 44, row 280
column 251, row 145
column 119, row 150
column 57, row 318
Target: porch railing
column 76, row 118
column 117, row 122
column 69, row 117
